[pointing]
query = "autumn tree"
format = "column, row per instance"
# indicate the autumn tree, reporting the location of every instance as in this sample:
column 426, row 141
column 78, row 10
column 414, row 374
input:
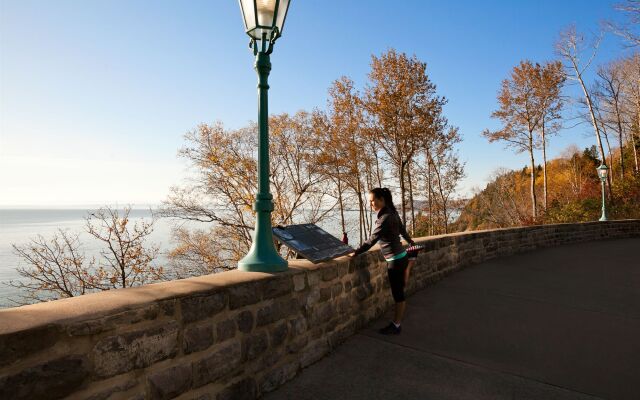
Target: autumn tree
column 402, row 106
column 520, row 116
column 441, row 171
column 217, row 199
column 502, row 203
column 301, row 190
column 548, row 83
column 350, row 155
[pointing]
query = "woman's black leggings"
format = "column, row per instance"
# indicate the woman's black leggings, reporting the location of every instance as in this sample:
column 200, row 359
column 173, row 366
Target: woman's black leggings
column 395, row 271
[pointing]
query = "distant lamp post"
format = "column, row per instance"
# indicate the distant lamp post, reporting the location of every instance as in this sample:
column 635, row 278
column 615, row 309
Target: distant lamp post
column 603, row 171
column 263, row 22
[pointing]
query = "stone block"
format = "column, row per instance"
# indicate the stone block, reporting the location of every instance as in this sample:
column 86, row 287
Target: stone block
column 314, row 352
column 197, row 338
column 244, row 294
column 299, row 282
column 171, row 382
column 279, row 375
column 278, row 286
column 336, row 290
column 254, row 345
column 312, row 298
column 205, row 396
column 278, row 333
column 198, row 307
column 341, row 334
column 52, row 379
column 278, row 310
column 343, row 269
column 222, row 361
column 362, row 292
column 245, row 389
column 116, row 354
column 225, row 330
column 343, row 305
column 321, row 314
column 19, row 345
column 298, row 325
column 330, row 272
column 314, row 277
column 244, row 321
column 264, row 363
column 325, row 294
column 106, row 391
column 111, row 322
column 297, row 344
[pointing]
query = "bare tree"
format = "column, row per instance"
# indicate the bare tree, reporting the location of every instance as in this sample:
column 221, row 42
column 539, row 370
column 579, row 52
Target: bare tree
column 629, row 29
column 571, row 47
column 58, row 268
column 520, row 116
column 126, row 261
column 609, row 92
column 631, row 102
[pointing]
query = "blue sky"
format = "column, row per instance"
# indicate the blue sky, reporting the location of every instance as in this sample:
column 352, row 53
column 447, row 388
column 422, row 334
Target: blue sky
column 95, row 96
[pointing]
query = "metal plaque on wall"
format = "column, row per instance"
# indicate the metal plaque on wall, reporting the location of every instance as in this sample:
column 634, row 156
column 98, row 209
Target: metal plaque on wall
column 311, row 242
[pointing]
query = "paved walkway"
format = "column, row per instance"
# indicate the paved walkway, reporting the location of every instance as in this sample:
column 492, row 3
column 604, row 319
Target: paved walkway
column 558, row 323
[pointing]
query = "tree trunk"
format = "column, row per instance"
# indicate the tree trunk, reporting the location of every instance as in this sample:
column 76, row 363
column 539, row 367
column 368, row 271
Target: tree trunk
column 633, row 136
column 620, row 136
column 544, row 164
column 442, row 198
column 606, row 138
column 361, row 211
column 341, row 202
column 429, row 198
column 378, row 174
column 635, row 152
column 591, row 113
column 413, row 213
column 534, row 212
column 403, row 166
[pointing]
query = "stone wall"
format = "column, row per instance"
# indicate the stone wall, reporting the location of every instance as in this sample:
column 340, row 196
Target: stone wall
column 233, row 335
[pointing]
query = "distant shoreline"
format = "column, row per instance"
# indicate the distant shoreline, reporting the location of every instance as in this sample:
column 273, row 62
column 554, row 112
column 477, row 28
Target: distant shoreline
column 134, row 206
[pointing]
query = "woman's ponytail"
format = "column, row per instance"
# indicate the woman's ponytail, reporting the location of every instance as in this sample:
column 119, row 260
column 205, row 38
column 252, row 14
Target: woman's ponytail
column 388, row 199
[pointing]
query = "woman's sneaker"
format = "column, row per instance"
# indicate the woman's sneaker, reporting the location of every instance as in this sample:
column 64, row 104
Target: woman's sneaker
column 390, row 329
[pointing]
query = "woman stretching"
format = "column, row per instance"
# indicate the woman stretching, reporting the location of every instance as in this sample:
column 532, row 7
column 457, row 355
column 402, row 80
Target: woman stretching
column 387, row 231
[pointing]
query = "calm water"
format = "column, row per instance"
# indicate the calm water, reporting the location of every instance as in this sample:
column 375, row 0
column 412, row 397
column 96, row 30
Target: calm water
column 19, row 226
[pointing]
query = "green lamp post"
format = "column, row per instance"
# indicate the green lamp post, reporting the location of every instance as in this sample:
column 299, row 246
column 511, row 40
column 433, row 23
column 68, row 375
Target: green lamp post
column 263, row 22
column 603, row 171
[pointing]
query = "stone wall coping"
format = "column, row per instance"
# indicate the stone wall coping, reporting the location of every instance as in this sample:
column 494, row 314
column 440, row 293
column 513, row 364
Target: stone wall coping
column 110, row 302
column 94, row 305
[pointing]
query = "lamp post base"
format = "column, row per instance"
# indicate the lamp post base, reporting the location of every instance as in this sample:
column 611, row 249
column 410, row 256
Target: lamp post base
column 254, row 262
column 263, row 256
